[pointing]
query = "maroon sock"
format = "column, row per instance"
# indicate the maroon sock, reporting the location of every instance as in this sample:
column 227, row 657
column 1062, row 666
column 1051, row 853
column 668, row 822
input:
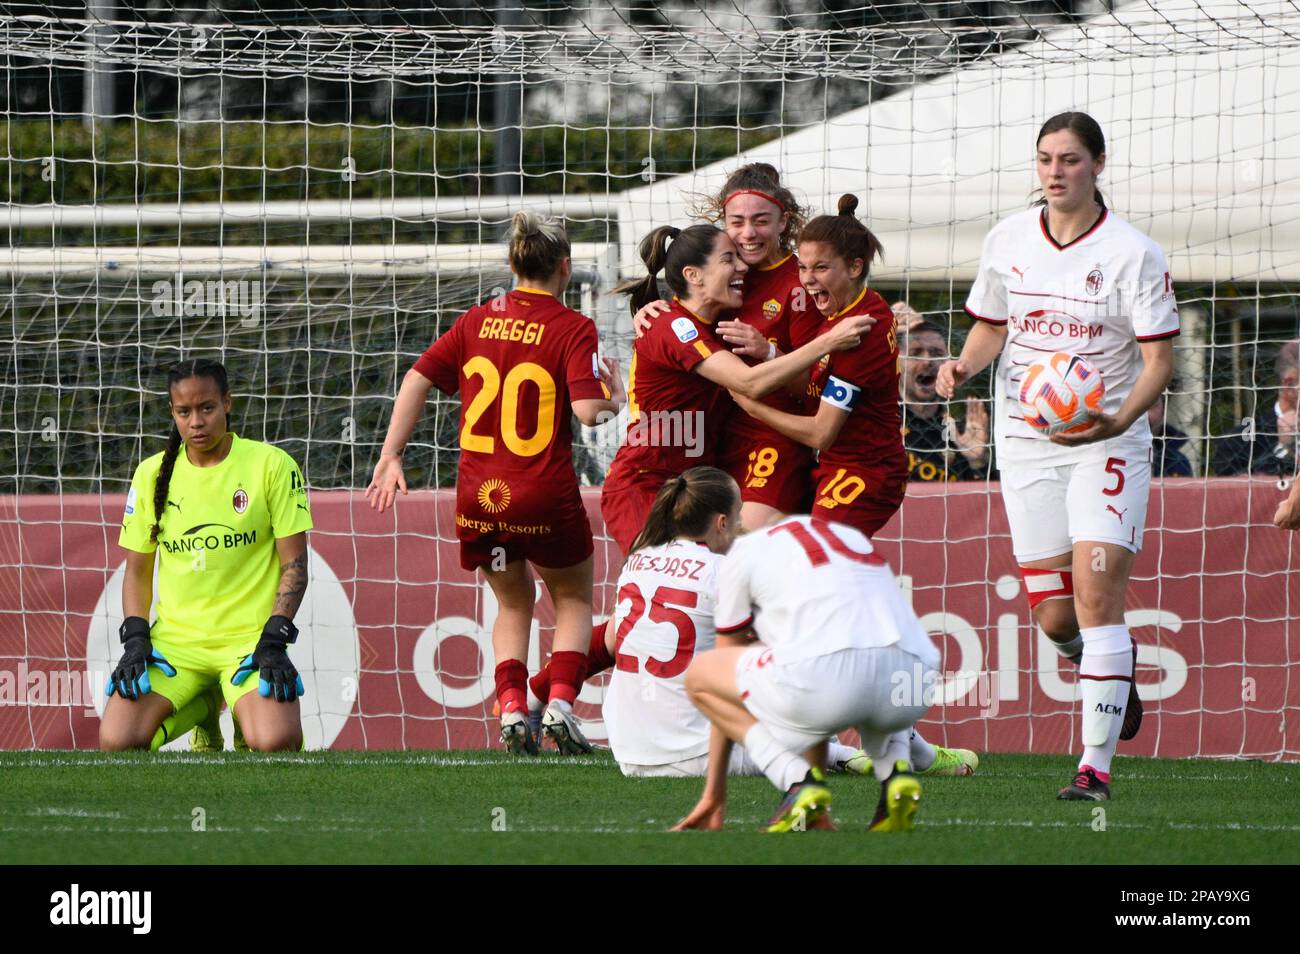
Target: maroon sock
column 598, row 657
column 512, row 676
column 567, row 672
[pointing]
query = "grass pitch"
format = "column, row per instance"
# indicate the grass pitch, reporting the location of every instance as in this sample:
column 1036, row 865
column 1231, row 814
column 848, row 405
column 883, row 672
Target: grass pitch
column 448, row 807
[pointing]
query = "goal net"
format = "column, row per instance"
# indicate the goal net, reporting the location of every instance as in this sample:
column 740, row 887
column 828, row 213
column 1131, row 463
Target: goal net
column 313, row 193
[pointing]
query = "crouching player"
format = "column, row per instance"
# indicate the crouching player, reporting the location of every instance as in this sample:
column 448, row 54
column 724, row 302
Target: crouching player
column 837, row 638
column 667, row 595
column 226, row 599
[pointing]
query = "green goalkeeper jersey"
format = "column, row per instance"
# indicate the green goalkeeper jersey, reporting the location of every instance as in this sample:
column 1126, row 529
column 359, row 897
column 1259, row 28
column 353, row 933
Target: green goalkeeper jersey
column 218, row 572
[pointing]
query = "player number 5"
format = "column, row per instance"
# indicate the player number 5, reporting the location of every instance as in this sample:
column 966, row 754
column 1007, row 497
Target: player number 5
column 1113, row 466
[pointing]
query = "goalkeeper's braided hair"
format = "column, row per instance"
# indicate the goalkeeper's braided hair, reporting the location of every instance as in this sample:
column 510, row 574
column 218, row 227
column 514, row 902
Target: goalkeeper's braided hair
column 686, row 505
column 193, row 368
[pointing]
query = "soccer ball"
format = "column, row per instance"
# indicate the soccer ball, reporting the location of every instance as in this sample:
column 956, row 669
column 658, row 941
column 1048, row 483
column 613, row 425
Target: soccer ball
column 1059, row 392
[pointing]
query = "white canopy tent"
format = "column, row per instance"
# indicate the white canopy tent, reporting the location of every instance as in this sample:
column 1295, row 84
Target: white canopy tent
column 1200, row 103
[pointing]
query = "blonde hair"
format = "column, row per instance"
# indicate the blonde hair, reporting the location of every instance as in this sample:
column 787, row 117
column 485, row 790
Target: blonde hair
column 538, row 244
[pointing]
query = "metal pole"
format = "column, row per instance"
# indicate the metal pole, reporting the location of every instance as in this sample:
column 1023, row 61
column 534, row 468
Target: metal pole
column 97, row 101
column 508, row 111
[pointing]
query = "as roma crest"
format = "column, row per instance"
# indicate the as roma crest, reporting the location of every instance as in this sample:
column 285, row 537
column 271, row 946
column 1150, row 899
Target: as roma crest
column 771, row 308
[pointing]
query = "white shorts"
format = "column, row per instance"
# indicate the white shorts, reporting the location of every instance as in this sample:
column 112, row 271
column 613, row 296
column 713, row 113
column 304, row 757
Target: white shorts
column 1102, row 499
column 698, row 767
column 806, row 702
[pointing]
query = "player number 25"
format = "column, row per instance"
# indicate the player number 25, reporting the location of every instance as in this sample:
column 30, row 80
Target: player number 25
column 481, row 367
column 662, row 610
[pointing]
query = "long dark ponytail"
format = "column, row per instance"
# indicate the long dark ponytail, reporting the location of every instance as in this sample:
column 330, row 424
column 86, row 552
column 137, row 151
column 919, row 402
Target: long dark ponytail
column 193, row 368
column 669, row 249
column 686, row 505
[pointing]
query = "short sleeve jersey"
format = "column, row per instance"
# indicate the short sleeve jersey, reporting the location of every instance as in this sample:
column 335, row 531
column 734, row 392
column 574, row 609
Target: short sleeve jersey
column 218, row 571
column 1098, row 296
column 809, row 588
column 864, row 382
column 518, row 362
column 776, row 304
column 671, row 409
column 664, row 618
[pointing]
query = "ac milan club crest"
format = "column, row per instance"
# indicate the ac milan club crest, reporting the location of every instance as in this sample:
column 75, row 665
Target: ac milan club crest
column 240, row 501
column 1093, row 282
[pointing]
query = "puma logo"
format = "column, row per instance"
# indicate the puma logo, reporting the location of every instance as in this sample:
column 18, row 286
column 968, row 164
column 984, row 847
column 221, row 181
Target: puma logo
column 1119, row 514
column 1018, row 273
column 172, row 503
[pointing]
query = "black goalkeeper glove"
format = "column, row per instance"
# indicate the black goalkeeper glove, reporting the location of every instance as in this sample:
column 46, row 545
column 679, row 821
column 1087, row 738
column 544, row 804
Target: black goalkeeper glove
column 131, row 677
column 271, row 662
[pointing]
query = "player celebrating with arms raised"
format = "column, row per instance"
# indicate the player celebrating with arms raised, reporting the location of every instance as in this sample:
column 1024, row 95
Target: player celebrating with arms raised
column 228, row 518
column 1071, row 276
column 520, row 362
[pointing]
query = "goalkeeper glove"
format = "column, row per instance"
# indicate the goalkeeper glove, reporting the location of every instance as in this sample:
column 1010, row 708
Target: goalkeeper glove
column 131, row 677
column 270, row 660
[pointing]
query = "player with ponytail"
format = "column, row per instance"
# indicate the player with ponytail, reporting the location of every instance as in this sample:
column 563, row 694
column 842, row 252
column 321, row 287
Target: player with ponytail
column 521, row 362
column 678, row 408
column 763, row 218
column 227, row 518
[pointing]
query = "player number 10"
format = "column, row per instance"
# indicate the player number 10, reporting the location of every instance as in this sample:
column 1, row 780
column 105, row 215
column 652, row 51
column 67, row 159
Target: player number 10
column 481, row 367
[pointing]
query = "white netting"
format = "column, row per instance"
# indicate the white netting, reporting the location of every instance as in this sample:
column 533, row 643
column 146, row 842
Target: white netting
column 313, row 192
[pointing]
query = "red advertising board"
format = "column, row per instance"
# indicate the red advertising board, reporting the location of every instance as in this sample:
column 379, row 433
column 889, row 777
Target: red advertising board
column 396, row 641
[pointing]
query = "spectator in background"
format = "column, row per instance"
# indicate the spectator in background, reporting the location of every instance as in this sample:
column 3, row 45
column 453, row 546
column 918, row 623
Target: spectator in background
column 1167, row 459
column 1266, row 445
column 937, row 448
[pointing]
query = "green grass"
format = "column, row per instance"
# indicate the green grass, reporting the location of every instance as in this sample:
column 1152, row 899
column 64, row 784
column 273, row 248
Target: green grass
column 427, row 807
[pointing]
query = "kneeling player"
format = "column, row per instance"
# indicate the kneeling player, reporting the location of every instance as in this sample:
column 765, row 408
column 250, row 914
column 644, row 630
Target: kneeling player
column 667, row 595
column 836, row 633
column 217, row 627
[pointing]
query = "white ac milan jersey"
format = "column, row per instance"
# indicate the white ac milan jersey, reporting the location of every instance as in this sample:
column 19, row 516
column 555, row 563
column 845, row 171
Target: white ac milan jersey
column 811, row 588
column 1098, row 297
column 666, row 600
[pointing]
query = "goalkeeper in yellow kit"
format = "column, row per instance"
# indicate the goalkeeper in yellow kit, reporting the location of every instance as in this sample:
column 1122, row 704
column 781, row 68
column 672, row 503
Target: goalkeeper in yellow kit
column 227, row 520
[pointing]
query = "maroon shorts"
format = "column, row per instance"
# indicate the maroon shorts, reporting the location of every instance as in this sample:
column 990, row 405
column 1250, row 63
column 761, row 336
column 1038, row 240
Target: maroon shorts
column 625, row 501
column 555, row 536
column 771, row 469
column 862, row 497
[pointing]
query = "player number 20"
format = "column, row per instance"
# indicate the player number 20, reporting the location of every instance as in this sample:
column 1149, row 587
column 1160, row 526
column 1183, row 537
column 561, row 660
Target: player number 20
column 529, row 446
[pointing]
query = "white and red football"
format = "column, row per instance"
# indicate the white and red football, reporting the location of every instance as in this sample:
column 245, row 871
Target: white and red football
column 1059, row 392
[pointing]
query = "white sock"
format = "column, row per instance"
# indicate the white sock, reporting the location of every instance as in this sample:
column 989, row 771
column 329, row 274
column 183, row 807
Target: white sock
column 838, row 752
column 534, row 704
column 897, row 747
column 1070, row 649
column 1104, row 678
column 922, row 752
column 782, row 767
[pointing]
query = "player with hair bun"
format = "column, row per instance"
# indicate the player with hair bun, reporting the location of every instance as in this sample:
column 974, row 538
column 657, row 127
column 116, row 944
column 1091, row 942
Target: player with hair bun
column 520, row 362
column 861, row 473
column 1069, row 275
column 227, row 519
